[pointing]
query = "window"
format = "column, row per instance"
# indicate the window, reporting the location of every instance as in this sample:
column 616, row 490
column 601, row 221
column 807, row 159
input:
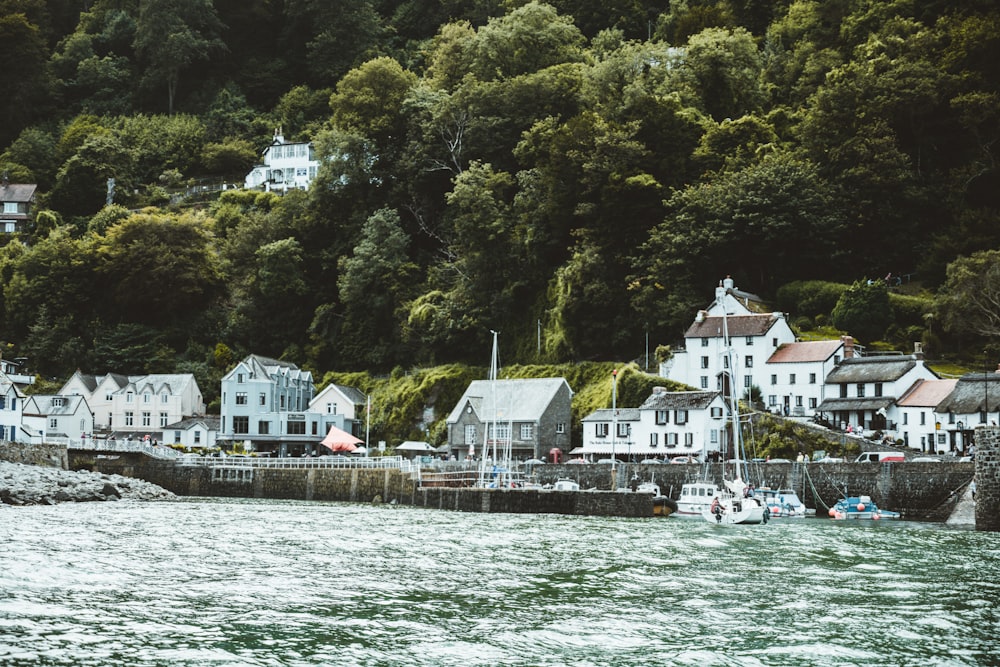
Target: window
column 923, row 418
column 128, row 397
column 672, row 439
column 601, row 429
column 951, row 417
column 704, row 342
column 654, row 439
column 662, row 417
column 713, row 436
column 264, row 427
column 146, row 398
column 689, row 439
column 624, row 430
column 772, row 400
column 296, row 428
column 982, row 416
column 58, row 401
column 470, row 434
column 128, row 418
column 906, row 419
column 843, row 391
column 749, row 362
column 331, row 408
column 747, row 381
column 108, row 396
column 942, row 438
column 197, row 437
column 3, row 402
column 791, row 378
column 146, row 418
column 53, row 423
column 239, row 378
column 561, row 427
column 725, row 361
column 716, row 413
column 241, row 425
column 704, row 382
column 163, row 398
column 704, row 362
column 163, row 419
column 798, row 401
column 774, row 342
column 812, row 378
column 177, row 437
column 774, row 378
column 861, row 390
column 282, row 402
column 527, row 431
column 749, row 340
column 878, row 388
column 681, row 417
column 263, row 398
column 241, row 398
column 812, row 403
column 499, row 431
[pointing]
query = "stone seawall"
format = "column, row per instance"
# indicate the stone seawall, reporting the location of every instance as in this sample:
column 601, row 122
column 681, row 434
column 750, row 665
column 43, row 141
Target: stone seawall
column 53, row 456
column 988, row 478
column 532, row 501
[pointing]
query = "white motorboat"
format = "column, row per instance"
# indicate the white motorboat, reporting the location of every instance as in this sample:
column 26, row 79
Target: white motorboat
column 695, row 498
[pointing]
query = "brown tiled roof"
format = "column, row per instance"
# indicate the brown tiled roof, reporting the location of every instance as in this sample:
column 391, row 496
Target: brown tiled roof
column 818, row 350
column 738, row 325
column 926, row 393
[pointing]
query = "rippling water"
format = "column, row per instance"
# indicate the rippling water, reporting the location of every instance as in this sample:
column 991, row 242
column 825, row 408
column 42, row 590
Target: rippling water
column 236, row 582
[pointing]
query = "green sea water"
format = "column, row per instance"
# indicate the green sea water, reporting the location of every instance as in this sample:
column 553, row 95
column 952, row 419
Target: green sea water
column 234, row 582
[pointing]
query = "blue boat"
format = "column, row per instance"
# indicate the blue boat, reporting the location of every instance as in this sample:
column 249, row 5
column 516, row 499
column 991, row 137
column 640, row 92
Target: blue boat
column 860, row 507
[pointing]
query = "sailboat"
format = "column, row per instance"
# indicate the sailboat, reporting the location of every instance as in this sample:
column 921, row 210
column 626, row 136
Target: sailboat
column 495, row 465
column 734, row 503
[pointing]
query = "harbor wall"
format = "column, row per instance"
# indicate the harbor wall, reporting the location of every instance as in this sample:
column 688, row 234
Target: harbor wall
column 921, row 491
column 36, row 455
column 988, row 478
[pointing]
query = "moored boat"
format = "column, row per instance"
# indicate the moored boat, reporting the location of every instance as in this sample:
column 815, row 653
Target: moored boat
column 695, row 498
column 860, row 507
column 783, row 503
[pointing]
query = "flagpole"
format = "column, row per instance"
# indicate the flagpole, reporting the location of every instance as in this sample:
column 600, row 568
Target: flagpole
column 368, row 426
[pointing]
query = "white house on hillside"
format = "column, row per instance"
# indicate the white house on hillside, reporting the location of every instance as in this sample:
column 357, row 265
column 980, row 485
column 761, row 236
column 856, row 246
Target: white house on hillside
column 286, row 165
column 974, row 401
column 192, row 432
column 704, row 362
column 137, row 404
column 57, row 418
column 796, row 375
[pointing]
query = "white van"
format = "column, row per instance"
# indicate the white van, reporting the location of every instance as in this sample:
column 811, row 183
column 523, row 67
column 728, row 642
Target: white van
column 879, row 457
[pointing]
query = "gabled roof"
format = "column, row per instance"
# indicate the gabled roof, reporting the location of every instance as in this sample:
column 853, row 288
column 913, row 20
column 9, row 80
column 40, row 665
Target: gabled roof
column 679, row 400
column 805, row 351
column 871, row 369
column 7, row 386
column 926, row 393
column 854, row 404
column 352, row 394
column 524, row 399
column 738, row 325
column 607, row 414
column 209, row 422
column 21, row 193
column 47, row 404
column 266, row 367
column 971, row 394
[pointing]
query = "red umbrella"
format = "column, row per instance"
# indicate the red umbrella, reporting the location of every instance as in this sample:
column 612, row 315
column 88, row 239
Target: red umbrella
column 340, row 441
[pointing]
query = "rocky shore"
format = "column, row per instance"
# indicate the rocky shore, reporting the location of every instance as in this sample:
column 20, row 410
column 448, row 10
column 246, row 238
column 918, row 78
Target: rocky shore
column 40, row 485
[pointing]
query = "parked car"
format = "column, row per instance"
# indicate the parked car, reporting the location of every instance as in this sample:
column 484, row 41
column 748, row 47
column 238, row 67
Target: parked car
column 879, row 457
column 651, row 461
column 925, row 459
column 830, row 459
column 685, row 459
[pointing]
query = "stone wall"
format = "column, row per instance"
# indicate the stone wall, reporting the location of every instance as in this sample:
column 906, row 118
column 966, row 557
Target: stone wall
column 988, row 478
column 53, row 456
column 531, row 501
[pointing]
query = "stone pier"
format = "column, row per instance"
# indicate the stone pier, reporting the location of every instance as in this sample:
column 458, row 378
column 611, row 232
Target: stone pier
column 988, row 478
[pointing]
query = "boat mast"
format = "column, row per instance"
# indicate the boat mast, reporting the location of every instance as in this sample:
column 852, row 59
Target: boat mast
column 730, row 370
column 491, row 426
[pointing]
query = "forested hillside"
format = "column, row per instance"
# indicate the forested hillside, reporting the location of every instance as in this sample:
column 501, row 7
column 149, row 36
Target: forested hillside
column 577, row 174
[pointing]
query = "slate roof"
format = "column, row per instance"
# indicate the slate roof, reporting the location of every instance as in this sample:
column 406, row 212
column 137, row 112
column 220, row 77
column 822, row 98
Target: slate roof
column 210, row 422
column 46, row 404
column 21, row 193
column 353, row 394
column 679, row 400
column 854, row 404
column 971, row 393
column 738, row 325
column 516, row 400
column 817, row 350
column 871, row 369
column 926, row 393
column 605, row 415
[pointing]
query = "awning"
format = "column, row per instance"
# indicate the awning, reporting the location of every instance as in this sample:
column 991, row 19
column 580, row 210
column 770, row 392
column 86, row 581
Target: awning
column 340, row 441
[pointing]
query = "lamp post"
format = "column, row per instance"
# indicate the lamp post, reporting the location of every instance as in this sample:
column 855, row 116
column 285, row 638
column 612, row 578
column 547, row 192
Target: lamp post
column 614, row 424
column 986, row 389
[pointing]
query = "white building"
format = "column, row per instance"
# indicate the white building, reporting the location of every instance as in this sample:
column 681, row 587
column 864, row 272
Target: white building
column 57, row 418
column 286, row 165
column 704, row 362
column 915, row 414
column 140, row 404
column 974, row 401
column 347, row 404
column 796, row 375
column 192, row 433
column 11, row 410
column 667, row 424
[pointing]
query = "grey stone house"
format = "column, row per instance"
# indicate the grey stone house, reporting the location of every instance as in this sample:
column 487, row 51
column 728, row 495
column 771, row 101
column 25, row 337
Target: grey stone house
column 535, row 414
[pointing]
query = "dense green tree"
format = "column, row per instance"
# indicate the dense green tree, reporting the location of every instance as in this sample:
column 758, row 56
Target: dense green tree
column 329, row 37
column 863, row 310
column 171, row 36
column 720, row 73
column 27, row 86
column 528, row 39
column 84, row 182
column 968, row 303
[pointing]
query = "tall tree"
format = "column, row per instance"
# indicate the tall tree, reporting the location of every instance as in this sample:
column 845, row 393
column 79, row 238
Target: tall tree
column 172, row 35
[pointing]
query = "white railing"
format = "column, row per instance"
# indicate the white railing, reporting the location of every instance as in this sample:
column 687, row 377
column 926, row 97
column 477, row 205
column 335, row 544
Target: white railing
column 118, row 446
column 378, row 462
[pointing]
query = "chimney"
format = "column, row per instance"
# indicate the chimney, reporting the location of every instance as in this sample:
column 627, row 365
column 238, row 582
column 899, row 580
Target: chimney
column 728, row 283
column 700, row 317
column 918, row 351
column 848, row 346
column 659, row 390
